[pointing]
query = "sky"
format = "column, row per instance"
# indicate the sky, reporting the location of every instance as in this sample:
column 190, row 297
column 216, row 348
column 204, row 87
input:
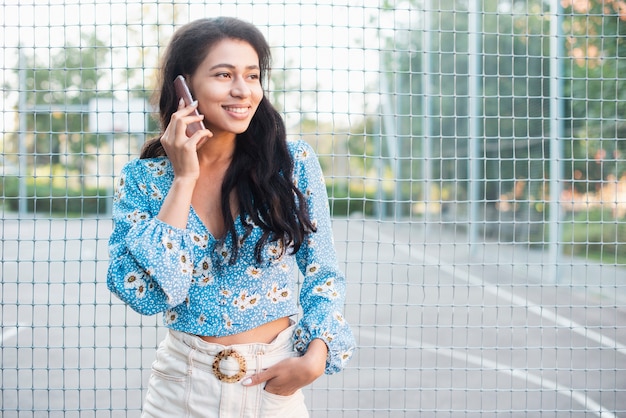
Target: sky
column 329, row 49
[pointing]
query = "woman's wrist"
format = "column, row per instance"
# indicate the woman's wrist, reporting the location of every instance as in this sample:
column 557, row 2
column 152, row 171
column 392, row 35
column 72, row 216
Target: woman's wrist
column 316, row 354
column 184, row 181
column 175, row 208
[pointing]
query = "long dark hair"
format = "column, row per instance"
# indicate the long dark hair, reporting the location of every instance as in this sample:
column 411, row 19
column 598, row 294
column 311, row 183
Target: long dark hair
column 261, row 169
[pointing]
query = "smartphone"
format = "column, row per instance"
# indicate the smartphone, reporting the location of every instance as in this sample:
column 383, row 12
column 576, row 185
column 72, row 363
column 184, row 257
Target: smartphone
column 182, row 91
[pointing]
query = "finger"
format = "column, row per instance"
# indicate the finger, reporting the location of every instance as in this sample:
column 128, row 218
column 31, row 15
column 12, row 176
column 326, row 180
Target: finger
column 178, row 120
column 191, row 107
column 257, row 379
column 185, row 110
column 202, row 133
column 193, row 119
column 206, row 134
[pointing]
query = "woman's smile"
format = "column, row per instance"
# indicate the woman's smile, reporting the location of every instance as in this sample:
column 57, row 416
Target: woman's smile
column 239, row 111
column 227, row 85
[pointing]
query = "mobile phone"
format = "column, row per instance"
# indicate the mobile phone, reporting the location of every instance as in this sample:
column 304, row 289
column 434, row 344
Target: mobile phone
column 182, row 91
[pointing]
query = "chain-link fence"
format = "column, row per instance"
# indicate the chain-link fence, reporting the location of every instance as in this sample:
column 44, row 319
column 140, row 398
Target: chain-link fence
column 475, row 157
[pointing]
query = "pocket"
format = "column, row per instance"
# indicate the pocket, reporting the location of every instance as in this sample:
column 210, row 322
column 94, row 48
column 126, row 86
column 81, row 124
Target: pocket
column 165, row 397
column 169, row 367
column 167, row 387
column 291, row 406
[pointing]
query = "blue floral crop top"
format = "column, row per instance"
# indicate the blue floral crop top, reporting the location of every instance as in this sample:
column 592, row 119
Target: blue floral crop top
column 186, row 273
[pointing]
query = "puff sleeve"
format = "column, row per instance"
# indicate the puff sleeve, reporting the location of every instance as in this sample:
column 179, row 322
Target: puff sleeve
column 322, row 294
column 150, row 266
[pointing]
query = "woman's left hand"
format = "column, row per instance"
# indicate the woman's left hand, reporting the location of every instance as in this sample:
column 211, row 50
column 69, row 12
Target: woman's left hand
column 289, row 375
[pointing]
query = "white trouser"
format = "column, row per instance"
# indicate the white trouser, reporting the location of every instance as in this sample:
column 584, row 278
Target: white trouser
column 184, row 384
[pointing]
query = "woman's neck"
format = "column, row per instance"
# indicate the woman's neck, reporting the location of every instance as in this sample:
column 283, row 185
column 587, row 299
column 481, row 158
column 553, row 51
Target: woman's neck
column 217, row 151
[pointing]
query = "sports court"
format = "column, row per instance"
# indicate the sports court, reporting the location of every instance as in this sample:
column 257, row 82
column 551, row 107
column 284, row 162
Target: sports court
column 474, row 153
column 441, row 333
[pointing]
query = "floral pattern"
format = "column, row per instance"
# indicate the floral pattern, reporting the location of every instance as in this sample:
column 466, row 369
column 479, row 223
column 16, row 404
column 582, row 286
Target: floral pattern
column 186, row 274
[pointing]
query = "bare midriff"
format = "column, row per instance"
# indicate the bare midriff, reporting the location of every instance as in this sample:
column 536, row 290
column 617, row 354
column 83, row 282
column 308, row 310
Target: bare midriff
column 264, row 334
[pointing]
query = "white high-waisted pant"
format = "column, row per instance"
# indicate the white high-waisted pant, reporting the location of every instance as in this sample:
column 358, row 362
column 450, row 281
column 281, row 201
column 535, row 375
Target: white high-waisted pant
column 182, row 383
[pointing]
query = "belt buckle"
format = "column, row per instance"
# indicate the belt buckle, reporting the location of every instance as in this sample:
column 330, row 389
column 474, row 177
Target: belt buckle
column 223, row 355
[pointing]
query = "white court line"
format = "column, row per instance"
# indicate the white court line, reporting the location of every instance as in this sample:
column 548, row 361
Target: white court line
column 579, row 397
column 589, row 404
column 514, row 300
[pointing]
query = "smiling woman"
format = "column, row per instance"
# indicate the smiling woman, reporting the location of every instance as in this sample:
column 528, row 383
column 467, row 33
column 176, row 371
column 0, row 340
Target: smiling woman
column 228, row 88
column 209, row 229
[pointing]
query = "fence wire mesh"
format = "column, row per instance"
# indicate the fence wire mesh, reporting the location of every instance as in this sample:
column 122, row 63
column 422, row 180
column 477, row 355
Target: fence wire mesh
column 475, row 158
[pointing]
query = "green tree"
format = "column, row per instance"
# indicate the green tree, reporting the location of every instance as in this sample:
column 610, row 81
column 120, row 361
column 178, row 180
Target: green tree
column 595, row 70
column 516, row 96
column 514, row 67
column 58, row 94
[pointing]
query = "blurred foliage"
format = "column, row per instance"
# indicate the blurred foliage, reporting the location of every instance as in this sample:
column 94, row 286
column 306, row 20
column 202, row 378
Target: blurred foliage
column 514, row 52
column 51, row 195
column 597, row 235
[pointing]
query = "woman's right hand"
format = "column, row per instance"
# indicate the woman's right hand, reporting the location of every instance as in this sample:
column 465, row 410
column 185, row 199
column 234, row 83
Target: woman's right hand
column 181, row 149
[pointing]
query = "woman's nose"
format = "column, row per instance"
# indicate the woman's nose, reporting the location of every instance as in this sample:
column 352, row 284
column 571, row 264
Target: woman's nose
column 240, row 88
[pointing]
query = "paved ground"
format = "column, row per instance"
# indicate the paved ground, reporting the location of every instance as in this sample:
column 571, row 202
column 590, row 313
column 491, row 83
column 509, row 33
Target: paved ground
column 445, row 329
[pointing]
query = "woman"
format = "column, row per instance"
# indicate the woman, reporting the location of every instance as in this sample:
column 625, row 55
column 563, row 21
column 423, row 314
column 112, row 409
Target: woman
column 209, row 229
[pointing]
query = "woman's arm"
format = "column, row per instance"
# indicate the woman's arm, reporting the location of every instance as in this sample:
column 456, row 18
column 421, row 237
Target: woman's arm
column 322, row 335
column 151, row 262
column 323, row 290
column 183, row 156
column 289, row 375
column 150, row 265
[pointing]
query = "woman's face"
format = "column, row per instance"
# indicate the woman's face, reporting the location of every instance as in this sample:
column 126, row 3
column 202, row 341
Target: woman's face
column 227, row 86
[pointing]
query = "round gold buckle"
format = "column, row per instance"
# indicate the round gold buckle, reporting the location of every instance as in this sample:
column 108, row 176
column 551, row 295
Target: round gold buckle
column 224, row 354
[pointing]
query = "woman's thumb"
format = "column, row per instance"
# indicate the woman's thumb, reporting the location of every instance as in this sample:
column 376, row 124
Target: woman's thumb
column 256, row 379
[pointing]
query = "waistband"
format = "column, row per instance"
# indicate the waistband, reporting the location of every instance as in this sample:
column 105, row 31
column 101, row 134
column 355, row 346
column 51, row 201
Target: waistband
column 234, row 361
column 283, row 340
